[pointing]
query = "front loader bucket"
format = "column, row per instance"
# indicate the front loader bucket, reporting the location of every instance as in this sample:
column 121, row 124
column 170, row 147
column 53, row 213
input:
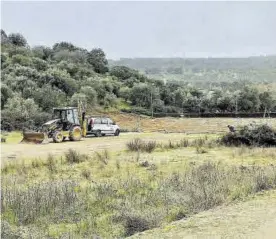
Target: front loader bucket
column 35, row 138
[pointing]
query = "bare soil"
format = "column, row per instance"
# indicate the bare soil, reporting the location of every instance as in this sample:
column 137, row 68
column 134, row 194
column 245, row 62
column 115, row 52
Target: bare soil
column 87, row 145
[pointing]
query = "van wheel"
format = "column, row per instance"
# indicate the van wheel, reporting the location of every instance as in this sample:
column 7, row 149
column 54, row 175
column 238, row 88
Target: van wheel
column 103, row 134
column 98, row 133
column 117, row 132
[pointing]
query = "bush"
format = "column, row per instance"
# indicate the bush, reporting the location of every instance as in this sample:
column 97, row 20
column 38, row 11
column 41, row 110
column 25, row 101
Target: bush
column 72, row 156
column 251, row 135
column 52, row 198
column 138, row 145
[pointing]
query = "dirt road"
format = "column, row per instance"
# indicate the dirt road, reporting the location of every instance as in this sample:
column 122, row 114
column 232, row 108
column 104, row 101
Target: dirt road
column 87, row 145
column 253, row 219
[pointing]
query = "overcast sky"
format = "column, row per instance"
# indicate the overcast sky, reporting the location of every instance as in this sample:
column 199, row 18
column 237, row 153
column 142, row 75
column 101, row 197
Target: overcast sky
column 148, row 29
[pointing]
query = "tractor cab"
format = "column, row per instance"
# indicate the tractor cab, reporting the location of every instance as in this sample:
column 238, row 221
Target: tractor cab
column 68, row 117
column 68, row 114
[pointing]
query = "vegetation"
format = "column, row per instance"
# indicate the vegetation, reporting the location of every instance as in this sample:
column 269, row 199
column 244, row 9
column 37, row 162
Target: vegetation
column 206, row 71
column 67, row 73
column 251, row 135
column 115, row 195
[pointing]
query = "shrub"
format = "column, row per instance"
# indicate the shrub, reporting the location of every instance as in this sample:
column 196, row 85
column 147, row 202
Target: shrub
column 250, row 135
column 134, row 224
column 135, row 145
column 51, row 164
column 201, row 150
column 183, row 143
column 72, row 156
column 86, row 173
column 52, row 198
column 103, row 156
column 139, row 145
column 149, row 146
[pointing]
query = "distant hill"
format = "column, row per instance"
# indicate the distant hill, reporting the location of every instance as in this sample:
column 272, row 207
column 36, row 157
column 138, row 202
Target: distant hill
column 254, row 69
column 144, row 64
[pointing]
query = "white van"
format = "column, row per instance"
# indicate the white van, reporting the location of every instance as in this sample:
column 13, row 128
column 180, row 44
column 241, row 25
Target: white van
column 101, row 126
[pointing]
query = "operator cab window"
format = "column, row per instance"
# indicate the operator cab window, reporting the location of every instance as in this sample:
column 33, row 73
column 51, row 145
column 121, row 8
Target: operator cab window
column 70, row 116
column 76, row 119
column 62, row 115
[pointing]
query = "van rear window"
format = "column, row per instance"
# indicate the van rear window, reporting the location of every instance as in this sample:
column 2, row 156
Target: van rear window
column 97, row 121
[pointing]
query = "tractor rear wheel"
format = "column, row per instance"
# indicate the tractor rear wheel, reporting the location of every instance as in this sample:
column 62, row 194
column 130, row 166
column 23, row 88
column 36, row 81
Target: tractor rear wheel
column 75, row 134
column 57, row 137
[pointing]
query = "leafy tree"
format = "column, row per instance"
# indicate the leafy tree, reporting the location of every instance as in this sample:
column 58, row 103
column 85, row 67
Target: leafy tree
column 18, row 70
column 4, row 37
column 84, row 73
column 18, row 109
column 59, row 79
column 60, row 46
column 6, row 93
column 248, row 100
column 78, row 97
column 90, row 93
column 39, row 64
column 70, row 56
column 143, row 95
column 130, row 82
column 110, row 100
column 21, row 60
column 55, row 97
column 158, row 105
column 123, row 72
column 167, row 96
column 17, row 39
column 4, row 60
column 42, row 52
column 97, row 58
column 179, row 97
column 125, row 93
column 18, row 50
column 267, row 102
column 225, row 103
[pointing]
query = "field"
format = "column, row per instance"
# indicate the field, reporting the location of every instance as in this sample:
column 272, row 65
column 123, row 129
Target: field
column 182, row 184
column 184, row 125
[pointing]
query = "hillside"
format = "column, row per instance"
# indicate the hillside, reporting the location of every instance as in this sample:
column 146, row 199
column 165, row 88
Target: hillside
column 68, row 74
column 205, row 70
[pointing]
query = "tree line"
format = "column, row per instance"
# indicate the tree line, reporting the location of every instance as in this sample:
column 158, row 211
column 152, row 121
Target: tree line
column 36, row 79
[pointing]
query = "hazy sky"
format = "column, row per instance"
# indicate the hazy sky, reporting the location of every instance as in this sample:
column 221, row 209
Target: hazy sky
column 148, row 29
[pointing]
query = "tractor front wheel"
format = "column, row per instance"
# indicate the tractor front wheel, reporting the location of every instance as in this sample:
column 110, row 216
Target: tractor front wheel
column 75, row 134
column 57, row 137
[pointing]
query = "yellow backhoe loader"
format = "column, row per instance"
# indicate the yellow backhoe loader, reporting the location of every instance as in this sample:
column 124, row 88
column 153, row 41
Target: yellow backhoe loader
column 65, row 124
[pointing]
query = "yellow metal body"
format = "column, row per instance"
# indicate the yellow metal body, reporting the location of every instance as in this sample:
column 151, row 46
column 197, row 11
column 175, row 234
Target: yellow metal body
column 65, row 133
column 39, row 137
column 84, row 128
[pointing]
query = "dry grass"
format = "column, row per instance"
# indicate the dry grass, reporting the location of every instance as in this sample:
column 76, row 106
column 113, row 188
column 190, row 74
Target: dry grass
column 120, row 207
column 187, row 125
column 115, row 194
